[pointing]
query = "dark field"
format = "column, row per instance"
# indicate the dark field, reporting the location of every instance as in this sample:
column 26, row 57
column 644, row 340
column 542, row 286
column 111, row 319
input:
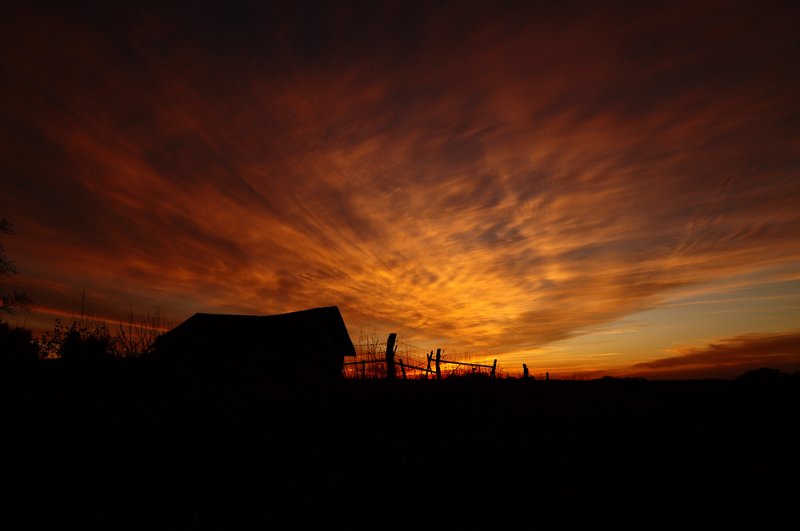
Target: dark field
column 129, row 447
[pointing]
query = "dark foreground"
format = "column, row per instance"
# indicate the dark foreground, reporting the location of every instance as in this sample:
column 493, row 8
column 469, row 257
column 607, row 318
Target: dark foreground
column 130, row 447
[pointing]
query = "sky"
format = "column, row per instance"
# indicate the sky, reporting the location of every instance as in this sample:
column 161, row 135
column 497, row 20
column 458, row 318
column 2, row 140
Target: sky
column 588, row 188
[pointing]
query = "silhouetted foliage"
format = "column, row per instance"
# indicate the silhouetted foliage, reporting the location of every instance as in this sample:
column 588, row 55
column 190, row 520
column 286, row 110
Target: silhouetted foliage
column 17, row 346
column 80, row 343
column 137, row 338
column 15, row 301
column 6, row 267
column 88, row 340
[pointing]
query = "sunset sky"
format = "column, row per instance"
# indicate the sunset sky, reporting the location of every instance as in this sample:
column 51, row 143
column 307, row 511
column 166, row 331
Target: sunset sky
column 589, row 188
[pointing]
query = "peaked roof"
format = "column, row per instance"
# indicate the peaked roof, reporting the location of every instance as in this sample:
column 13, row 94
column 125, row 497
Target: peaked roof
column 323, row 327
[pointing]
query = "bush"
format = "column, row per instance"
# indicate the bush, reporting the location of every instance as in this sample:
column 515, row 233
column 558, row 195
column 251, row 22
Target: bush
column 80, row 344
column 17, row 346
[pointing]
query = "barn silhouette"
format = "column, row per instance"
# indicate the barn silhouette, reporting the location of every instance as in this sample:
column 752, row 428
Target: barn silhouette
column 307, row 345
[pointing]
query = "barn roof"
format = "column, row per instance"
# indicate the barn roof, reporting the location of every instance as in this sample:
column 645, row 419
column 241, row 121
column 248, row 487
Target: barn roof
column 324, row 327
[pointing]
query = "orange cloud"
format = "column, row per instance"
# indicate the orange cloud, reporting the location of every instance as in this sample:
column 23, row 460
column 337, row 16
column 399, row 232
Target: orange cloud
column 492, row 185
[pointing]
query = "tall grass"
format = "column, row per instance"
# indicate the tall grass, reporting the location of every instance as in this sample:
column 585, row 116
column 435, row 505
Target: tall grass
column 135, row 337
column 89, row 337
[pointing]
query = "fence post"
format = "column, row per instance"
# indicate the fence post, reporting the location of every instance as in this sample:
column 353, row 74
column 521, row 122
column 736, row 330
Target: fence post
column 438, row 364
column 524, row 371
column 428, row 368
column 390, row 356
column 494, row 367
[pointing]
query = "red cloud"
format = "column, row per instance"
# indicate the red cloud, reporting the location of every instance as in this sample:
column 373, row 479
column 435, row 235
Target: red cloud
column 730, row 356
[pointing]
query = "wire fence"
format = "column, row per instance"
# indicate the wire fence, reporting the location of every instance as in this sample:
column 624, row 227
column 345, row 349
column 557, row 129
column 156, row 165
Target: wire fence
column 408, row 361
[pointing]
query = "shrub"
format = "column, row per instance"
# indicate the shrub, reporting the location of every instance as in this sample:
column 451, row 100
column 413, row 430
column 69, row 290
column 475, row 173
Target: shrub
column 80, row 343
column 17, row 346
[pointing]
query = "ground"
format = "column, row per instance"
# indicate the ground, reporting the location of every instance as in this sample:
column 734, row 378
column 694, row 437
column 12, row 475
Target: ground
column 128, row 447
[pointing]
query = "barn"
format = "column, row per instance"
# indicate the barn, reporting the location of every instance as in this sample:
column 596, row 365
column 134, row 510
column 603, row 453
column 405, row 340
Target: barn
column 306, row 345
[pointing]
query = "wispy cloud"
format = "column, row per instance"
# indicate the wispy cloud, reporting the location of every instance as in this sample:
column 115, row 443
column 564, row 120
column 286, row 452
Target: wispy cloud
column 491, row 182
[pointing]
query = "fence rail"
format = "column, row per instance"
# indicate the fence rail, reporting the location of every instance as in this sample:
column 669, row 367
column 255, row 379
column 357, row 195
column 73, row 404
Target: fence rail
column 434, row 365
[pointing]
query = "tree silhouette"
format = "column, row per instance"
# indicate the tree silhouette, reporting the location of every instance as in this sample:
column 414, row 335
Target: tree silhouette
column 16, row 343
column 79, row 344
column 17, row 346
column 6, row 267
column 15, row 301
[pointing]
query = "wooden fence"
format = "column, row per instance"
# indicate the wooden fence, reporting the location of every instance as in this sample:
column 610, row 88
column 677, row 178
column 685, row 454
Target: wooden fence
column 433, row 367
